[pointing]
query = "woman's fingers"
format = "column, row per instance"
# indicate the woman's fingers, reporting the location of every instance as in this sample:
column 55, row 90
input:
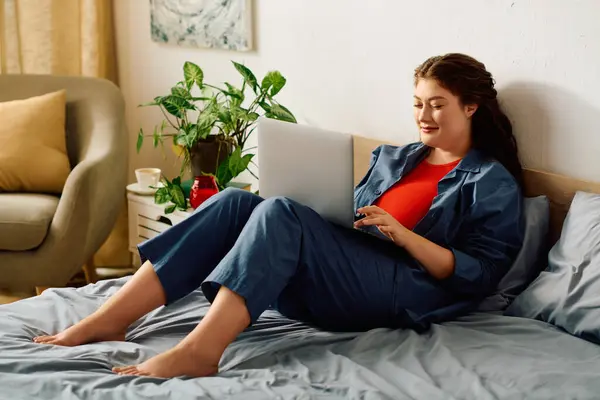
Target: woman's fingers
column 372, row 220
column 371, row 210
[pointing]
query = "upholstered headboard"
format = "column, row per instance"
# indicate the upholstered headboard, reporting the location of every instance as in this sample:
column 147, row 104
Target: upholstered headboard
column 559, row 189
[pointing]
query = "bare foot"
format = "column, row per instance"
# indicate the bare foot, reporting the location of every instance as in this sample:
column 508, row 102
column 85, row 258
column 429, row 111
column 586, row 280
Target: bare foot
column 88, row 330
column 179, row 361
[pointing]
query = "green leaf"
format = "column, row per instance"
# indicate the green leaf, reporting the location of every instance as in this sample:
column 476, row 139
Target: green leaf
column 246, row 116
column 206, row 120
column 235, row 111
column 193, row 74
column 172, row 107
column 192, row 134
column 163, row 125
column 187, row 137
column 150, row 103
column 288, row 112
column 234, row 92
column 162, row 195
column 223, row 175
column 238, row 163
column 169, row 209
column 177, row 195
column 155, row 137
column 253, row 116
column 167, row 183
column 156, row 102
column 177, row 105
column 281, row 113
column 182, row 92
column 266, row 83
column 140, row 140
column 245, row 162
column 181, row 139
column 203, row 132
column 225, row 116
column 276, row 80
column 265, row 106
column 248, row 76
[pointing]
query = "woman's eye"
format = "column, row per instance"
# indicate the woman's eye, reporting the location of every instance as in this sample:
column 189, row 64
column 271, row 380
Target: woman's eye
column 418, row 105
column 437, row 107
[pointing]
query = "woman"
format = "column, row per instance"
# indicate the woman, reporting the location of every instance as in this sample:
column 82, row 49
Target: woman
column 451, row 206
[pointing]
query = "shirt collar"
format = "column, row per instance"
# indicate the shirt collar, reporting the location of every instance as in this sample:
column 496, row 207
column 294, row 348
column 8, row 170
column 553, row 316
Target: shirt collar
column 470, row 163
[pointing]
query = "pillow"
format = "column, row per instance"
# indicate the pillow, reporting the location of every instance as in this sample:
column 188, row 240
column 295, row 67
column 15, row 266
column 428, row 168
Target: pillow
column 531, row 258
column 33, row 155
column 567, row 293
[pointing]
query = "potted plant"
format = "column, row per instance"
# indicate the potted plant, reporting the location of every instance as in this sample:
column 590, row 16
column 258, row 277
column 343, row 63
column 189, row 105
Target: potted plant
column 209, row 126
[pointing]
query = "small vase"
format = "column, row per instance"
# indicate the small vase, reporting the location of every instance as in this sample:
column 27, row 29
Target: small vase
column 203, row 188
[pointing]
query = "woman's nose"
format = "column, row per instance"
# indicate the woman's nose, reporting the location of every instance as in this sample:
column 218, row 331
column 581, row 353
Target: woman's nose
column 424, row 114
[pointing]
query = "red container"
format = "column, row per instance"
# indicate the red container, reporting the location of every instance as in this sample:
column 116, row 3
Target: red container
column 202, row 188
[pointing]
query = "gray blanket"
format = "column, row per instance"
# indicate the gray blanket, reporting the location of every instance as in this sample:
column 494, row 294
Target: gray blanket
column 481, row 356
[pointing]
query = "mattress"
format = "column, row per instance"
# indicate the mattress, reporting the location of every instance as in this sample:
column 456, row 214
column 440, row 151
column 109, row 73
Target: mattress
column 480, row 356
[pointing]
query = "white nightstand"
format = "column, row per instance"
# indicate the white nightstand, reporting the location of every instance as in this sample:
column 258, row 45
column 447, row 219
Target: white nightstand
column 147, row 219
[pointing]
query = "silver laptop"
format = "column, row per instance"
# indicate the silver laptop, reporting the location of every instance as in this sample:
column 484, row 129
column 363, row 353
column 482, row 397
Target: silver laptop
column 309, row 165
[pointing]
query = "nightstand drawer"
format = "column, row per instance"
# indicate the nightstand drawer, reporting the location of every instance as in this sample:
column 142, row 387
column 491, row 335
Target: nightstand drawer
column 160, row 225
column 147, row 221
column 146, row 233
column 157, row 213
column 151, row 212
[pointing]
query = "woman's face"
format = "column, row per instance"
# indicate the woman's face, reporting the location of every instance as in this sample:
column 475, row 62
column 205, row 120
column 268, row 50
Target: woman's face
column 443, row 121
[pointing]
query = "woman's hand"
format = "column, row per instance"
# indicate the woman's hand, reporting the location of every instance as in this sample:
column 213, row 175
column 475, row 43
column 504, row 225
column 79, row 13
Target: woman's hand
column 437, row 260
column 386, row 224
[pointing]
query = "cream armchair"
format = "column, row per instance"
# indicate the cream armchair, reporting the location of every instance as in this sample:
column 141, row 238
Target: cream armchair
column 44, row 239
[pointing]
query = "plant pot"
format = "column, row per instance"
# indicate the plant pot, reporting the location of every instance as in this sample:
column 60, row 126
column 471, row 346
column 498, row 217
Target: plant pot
column 208, row 154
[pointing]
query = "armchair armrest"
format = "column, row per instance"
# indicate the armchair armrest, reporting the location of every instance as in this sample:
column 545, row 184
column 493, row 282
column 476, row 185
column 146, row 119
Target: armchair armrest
column 95, row 189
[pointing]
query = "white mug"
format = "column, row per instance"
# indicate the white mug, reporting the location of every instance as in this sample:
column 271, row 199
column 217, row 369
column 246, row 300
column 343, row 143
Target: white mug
column 147, row 177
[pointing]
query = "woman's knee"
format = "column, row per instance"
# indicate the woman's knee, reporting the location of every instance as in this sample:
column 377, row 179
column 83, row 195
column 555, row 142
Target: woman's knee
column 236, row 201
column 277, row 206
column 237, row 195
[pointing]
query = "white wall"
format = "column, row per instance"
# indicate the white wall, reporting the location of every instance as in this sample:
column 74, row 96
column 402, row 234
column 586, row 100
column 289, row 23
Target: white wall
column 349, row 67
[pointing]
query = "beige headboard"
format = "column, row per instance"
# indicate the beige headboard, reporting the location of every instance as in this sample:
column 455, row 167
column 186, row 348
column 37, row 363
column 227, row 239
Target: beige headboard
column 559, row 189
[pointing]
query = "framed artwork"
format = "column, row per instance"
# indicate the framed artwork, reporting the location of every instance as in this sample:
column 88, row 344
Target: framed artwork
column 219, row 24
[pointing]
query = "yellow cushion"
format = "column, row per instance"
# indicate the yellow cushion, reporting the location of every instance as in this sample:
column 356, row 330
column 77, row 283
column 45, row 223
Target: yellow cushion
column 33, row 150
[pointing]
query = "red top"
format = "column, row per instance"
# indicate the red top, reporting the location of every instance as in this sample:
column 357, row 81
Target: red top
column 409, row 199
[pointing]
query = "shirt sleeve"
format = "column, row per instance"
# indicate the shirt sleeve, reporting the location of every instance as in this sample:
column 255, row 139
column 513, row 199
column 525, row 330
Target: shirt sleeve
column 490, row 239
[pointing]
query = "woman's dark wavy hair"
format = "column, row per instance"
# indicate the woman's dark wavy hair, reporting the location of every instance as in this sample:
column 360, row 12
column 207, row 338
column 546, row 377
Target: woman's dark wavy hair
column 468, row 79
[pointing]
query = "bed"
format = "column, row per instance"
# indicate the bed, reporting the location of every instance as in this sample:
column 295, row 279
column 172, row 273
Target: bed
column 479, row 356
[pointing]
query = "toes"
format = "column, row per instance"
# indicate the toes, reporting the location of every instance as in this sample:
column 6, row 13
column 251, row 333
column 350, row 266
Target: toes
column 128, row 370
column 131, row 371
column 43, row 339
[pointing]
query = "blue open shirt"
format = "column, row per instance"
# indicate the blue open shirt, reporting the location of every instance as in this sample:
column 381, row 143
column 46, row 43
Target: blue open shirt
column 477, row 213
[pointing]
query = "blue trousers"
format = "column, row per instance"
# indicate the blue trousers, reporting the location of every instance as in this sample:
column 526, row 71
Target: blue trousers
column 277, row 252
